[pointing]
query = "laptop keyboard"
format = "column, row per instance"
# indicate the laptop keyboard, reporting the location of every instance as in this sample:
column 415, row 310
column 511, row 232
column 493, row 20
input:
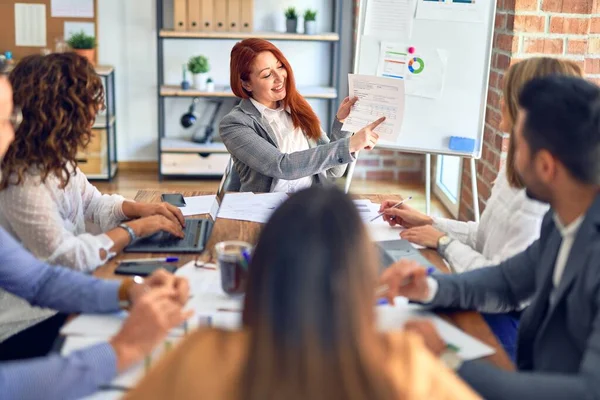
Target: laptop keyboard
column 194, row 230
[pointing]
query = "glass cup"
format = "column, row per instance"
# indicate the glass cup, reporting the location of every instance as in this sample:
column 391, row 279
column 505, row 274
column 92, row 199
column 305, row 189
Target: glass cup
column 233, row 259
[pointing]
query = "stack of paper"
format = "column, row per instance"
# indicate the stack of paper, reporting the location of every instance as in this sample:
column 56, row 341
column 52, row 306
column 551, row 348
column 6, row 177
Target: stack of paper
column 197, row 205
column 251, row 207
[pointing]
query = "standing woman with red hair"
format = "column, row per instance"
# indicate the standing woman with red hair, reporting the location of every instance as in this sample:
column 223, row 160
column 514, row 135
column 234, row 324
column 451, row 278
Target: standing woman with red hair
column 273, row 135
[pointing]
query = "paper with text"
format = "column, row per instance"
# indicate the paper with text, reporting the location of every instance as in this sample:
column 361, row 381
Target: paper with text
column 451, row 10
column 389, row 18
column 72, row 8
column 377, row 97
column 393, row 58
column 30, row 25
column 426, row 73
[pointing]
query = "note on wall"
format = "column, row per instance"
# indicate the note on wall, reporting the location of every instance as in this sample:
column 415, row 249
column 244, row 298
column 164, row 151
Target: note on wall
column 71, row 28
column 392, row 60
column 426, row 73
column 30, row 25
column 389, row 19
column 72, row 8
column 451, row 10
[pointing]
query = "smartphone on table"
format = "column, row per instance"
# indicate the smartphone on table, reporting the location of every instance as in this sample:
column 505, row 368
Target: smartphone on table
column 175, row 199
column 143, row 269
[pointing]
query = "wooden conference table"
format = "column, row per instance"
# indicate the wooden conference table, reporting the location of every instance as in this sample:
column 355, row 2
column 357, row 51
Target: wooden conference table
column 226, row 229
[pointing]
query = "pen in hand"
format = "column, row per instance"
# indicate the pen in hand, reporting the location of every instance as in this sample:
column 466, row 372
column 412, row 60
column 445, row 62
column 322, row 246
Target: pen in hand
column 394, row 206
column 383, row 289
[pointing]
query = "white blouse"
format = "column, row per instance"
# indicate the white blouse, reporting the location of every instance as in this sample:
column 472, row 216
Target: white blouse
column 51, row 222
column 289, row 140
column 509, row 224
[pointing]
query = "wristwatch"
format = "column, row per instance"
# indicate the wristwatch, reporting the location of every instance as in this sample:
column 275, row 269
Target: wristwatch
column 132, row 236
column 125, row 289
column 442, row 244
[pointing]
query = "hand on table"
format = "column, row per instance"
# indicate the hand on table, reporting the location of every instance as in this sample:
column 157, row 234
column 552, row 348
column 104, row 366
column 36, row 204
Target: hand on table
column 403, row 215
column 140, row 210
column 151, row 318
column 426, row 329
column 425, row 235
column 164, row 279
column 405, row 278
column 147, row 226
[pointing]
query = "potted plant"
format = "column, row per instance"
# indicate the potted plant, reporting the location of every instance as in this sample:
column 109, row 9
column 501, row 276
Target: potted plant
column 310, row 22
column 291, row 20
column 84, row 45
column 210, row 85
column 199, row 68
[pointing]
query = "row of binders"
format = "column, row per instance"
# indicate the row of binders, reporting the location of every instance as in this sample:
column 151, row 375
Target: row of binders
column 214, row 15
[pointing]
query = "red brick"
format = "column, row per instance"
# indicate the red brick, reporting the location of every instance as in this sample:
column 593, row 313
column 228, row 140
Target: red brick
column 403, row 163
column 596, row 7
column 568, row 6
column 508, row 43
column 593, row 46
column 592, row 66
column 595, row 25
column 595, row 81
column 577, row 46
column 415, row 176
column 380, row 175
column 489, row 175
column 483, row 190
column 544, row 46
column 525, row 5
column 501, row 62
column 488, row 134
column 493, row 99
column 576, row 26
column 510, row 22
column 492, row 117
column 368, row 163
column 529, row 23
column 385, row 152
column 500, row 22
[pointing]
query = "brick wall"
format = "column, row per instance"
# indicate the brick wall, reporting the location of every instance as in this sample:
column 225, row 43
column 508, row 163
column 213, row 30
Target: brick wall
column 524, row 28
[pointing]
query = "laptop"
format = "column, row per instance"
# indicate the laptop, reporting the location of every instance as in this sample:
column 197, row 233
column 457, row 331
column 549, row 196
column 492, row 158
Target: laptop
column 392, row 251
column 197, row 230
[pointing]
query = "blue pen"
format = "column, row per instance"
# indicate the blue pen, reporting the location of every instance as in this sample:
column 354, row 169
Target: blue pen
column 246, row 256
column 152, row 260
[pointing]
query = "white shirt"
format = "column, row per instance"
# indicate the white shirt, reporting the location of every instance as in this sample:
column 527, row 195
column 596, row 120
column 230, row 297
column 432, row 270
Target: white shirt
column 568, row 234
column 289, row 140
column 50, row 222
column 509, row 224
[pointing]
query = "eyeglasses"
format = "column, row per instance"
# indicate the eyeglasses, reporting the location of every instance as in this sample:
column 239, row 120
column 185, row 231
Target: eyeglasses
column 15, row 118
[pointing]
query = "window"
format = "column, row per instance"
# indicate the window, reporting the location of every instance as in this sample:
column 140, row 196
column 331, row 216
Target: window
column 448, row 182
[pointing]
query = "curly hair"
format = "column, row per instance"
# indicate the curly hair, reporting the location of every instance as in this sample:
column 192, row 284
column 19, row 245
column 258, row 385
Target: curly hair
column 59, row 95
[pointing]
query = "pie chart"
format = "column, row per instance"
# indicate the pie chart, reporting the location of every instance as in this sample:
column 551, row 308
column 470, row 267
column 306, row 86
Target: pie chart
column 416, row 65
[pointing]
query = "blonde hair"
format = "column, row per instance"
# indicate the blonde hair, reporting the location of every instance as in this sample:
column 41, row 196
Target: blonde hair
column 516, row 77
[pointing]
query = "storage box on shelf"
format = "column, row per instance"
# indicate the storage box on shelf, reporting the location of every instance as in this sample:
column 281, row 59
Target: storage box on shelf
column 223, row 20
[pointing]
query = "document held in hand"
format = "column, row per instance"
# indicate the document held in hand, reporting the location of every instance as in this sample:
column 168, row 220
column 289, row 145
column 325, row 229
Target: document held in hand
column 377, row 97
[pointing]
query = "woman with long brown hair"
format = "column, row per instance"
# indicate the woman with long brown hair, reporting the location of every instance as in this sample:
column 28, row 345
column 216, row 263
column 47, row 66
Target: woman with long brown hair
column 309, row 327
column 273, row 135
column 45, row 200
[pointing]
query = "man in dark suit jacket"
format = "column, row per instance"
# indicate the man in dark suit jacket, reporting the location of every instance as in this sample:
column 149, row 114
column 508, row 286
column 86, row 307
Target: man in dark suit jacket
column 557, row 139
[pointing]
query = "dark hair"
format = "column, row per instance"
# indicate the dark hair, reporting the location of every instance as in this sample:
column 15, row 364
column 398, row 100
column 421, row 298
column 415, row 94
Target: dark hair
column 563, row 117
column 309, row 305
column 59, row 95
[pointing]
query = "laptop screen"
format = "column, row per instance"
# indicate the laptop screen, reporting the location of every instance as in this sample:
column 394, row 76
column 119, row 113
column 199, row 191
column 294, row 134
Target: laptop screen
column 214, row 210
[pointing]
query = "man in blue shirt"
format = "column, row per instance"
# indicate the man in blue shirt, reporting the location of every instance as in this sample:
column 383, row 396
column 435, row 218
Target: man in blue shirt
column 156, row 308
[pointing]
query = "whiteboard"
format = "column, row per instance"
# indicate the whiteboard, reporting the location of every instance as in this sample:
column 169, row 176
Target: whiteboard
column 460, row 109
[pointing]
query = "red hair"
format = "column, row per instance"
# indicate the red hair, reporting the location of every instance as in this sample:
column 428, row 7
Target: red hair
column 243, row 55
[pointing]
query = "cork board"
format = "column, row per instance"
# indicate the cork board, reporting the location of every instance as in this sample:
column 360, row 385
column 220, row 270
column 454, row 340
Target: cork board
column 54, row 28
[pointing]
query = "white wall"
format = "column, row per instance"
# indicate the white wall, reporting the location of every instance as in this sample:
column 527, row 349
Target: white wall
column 127, row 40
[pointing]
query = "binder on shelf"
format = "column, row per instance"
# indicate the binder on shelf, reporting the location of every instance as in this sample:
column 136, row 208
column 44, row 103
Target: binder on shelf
column 180, row 11
column 234, row 9
column 247, row 15
column 193, row 15
column 220, row 16
column 207, row 14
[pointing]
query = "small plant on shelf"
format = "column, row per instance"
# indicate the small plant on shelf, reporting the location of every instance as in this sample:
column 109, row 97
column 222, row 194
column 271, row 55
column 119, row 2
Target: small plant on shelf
column 199, row 68
column 310, row 22
column 84, row 45
column 291, row 20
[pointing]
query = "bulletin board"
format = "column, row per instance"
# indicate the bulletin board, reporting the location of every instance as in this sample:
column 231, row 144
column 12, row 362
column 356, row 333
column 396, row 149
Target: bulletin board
column 55, row 26
column 460, row 31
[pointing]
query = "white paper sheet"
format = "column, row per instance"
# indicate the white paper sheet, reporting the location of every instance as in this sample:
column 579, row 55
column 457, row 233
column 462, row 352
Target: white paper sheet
column 72, row 8
column 132, row 376
column 30, row 25
column 393, row 59
column 106, row 395
column 426, row 73
column 377, row 97
column 451, row 10
column 71, row 28
column 393, row 318
column 197, row 205
column 251, row 207
column 389, row 18
column 102, row 325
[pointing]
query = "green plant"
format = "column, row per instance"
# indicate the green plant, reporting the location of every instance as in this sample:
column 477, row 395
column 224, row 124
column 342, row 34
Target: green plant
column 290, row 13
column 81, row 41
column 198, row 65
column 310, row 15
column 209, row 80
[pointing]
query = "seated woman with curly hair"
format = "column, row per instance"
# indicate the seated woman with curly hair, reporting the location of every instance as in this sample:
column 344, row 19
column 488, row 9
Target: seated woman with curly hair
column 45, row 200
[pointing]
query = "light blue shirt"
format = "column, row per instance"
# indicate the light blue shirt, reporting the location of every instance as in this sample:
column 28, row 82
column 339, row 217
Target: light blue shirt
column 56, row 377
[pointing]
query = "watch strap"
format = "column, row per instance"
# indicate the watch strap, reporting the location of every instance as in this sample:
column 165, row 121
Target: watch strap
column 124, row 301
column 443, row 244
column 130, row 232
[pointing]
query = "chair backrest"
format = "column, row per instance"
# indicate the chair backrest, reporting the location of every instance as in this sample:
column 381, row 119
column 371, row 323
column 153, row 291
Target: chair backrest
column 233, row 183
